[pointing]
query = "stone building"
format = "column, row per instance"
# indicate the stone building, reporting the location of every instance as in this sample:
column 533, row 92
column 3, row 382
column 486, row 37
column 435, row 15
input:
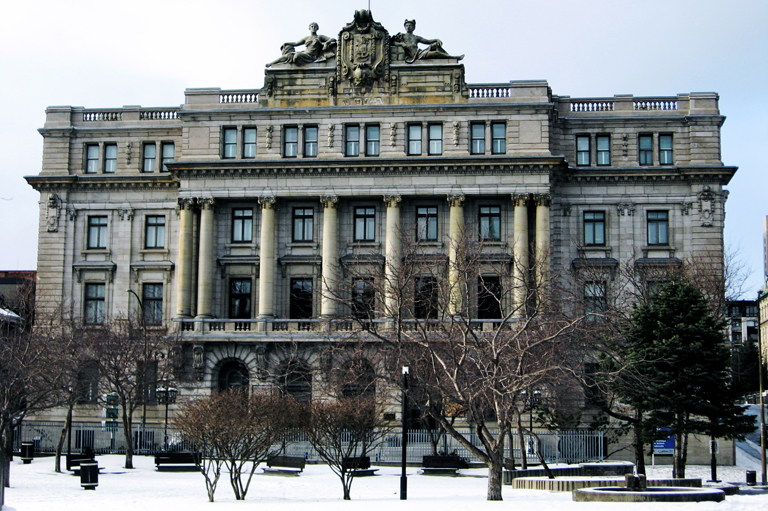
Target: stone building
column 233, row 217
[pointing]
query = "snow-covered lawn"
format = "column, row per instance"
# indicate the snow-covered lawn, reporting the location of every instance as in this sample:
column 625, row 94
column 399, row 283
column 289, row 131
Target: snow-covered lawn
column 36, row 487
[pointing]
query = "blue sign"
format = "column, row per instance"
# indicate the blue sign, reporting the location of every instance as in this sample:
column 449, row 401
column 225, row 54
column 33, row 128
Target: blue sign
column 665, row 446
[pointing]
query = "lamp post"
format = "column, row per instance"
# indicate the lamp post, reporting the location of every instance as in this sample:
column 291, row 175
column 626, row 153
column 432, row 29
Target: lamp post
column 403, row 477
column 166, row 396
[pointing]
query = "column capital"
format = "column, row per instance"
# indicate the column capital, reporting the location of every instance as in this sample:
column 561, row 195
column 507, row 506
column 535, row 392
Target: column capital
column 520, row 199
column 187, row 203
column 206, row 203
column 456, row 200
column 268, row 202
column 543, row 199
column 393, row 201
column 329, row 201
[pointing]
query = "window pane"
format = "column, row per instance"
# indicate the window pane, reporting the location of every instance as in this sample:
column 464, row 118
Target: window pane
column 352, row 140
column 92, row 159
column 155, row 232
column 372, row 140
column 499, row 136
column 310, row 142
column 478, row 139
column 291, row 143
column 242, row 225
column 149, row 158
column 110, row 158
column 249, row 143
column 414, row 139
column 435, row 139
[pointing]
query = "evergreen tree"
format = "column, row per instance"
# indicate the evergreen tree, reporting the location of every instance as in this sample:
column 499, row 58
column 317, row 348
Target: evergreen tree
column 675, row 346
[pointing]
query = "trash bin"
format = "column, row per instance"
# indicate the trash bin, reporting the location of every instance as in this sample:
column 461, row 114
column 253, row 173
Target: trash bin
column 27, row 452
column 89, row 474
column 751, row 477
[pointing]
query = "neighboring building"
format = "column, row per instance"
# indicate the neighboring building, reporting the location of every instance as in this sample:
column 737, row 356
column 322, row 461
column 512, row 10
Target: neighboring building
column 17, row 298
column 232, row 213
column 743, row 321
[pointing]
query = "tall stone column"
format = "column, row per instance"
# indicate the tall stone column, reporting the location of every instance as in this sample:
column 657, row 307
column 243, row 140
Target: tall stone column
column 185, row 266
column 330, row 256
column 206, row 260
column 520, row 252
column 456, row 240
column 394, row 254
column 543, row 203
column 267, row 258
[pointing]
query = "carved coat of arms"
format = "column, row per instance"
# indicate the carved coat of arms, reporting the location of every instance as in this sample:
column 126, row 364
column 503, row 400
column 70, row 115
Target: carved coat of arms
column 363, row 52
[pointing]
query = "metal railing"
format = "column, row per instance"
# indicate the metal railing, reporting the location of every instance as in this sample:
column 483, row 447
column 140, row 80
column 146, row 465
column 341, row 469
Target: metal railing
column 106, row 438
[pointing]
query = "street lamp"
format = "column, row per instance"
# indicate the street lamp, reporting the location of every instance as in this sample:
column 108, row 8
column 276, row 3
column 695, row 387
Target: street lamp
column 167, row 396
column 403, row 477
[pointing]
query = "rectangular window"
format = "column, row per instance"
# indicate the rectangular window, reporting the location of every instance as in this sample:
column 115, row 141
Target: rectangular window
column 240, row 299
column 110, row 158
column 658, row 227
column 477, row 138
column 414, row 139
column 150, row 153
column 490, row 223
column 372, row 140
column 363, row 298
column 97, row 232
column 426, row 223
column 665, row 150
column 352, row 141
column 594, row 228
column 88, row 383
column 498, row 138
column 425, row 298
column 91, row 159
column 488, row 298
column 603, row 150
column 594, row 299
column 242, row 225
column 94, row 304
column 290, row 142
column 582, row 150
column 310, row 142
column 152, row 302
column 249, row 142
column 303, row 224
column 435, row 134
column 645, row 149
column 365, row 224
column 169, row 153
column 229, row 145
column 155, row 232
column 301, row 299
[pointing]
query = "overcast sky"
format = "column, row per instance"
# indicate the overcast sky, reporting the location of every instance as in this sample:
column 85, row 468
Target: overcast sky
column 101, row 54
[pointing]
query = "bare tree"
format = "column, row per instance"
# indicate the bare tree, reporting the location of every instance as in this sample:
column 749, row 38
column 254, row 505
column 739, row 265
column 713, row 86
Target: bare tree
column 476, row 329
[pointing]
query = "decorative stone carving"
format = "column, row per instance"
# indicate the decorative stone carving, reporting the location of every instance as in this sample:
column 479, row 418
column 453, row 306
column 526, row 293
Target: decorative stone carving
column 685, row 207
column 269, row 85
column 410, row 44
column 268, row 136
column 186, row 203
column 71, row 214
column 393, row 134
column 392, row 201
column 706, row 207
column 625, row 208
column 456, row 200
column 128, row 148
column 625, row 144
column 363, row 52
column 54, row 211
column 317, row 48
column 125, row 213
column 206, row 203
column 520, row 199
column 329, row 201
column 331, row 128
column 456, row 129
column 543, row 199
column 198, row 362
column 268, row 202
column 566, row 208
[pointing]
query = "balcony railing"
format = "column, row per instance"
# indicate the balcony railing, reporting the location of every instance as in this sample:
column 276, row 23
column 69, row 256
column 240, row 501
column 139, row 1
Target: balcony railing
column 278, row 327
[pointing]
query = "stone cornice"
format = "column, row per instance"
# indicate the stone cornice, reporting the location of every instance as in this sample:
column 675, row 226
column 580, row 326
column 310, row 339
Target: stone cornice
column 721, row 175
column 102, row 182
column 380, row 166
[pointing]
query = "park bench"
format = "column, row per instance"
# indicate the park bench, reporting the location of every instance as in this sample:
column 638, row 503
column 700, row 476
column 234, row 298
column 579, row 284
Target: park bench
column 285, row 464
column 73, row 461
column 359, row 465
column 178, row 460
column 443, row 464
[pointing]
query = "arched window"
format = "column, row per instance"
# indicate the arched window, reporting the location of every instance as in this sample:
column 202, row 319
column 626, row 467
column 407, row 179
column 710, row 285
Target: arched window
column 233, row 375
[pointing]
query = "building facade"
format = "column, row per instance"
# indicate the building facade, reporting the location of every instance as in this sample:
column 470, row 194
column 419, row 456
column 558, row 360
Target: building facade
column 233, row 218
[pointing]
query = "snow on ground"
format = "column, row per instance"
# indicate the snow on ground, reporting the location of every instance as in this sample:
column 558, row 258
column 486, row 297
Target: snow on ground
column 36, row 487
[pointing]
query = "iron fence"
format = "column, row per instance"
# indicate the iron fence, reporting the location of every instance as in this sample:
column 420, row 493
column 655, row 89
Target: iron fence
column 107, row 438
